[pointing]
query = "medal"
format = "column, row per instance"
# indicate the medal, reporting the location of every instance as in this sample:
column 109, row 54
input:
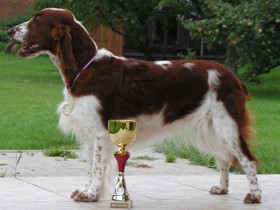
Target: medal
column 67, row 108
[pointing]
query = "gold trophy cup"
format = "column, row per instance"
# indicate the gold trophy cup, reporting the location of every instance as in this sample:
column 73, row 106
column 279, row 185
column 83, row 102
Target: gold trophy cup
column 122, row 133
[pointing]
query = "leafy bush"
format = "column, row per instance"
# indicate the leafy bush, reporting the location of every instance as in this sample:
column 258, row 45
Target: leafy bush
column 4, row 39
column 41, row 4
column 249, row 30
column 10, row 22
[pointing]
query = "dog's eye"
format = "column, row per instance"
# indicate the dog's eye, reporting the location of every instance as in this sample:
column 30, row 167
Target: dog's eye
column 36, row 21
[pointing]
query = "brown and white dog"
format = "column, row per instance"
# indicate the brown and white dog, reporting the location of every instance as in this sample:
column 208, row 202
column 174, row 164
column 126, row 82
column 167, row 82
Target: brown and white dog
column 198, row 98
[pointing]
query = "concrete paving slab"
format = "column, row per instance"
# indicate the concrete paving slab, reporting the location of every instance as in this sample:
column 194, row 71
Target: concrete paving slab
column 147, row 192
column 45, row 183
column 16, row 194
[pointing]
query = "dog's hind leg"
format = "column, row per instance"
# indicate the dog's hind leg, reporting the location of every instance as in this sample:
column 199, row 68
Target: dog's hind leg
column 231, row 144
column 224, row 178
column 249, row 167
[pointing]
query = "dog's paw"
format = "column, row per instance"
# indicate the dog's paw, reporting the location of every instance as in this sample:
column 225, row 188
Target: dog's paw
column 83, row 196
column 74, row 193
column 251, row 199
column 216, row 190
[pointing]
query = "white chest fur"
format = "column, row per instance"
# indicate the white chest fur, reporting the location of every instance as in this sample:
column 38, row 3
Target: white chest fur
column 84, row 119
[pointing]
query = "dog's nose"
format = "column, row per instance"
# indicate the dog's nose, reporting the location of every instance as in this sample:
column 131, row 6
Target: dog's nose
column 11, row 32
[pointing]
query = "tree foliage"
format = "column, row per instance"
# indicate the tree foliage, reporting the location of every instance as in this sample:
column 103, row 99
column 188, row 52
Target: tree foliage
column 128, row 18
column 248, row 29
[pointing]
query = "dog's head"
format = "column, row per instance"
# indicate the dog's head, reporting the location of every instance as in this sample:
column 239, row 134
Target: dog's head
column 48, row 32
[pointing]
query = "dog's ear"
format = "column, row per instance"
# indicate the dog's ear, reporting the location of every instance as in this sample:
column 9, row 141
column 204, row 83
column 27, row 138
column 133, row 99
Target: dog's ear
column 63, row 37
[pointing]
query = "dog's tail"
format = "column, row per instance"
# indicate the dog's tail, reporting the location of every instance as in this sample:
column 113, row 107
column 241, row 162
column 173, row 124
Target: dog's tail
column 246, row 130
column 245, row 91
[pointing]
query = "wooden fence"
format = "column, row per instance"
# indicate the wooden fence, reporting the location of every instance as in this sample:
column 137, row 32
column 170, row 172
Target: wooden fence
column 106, row 38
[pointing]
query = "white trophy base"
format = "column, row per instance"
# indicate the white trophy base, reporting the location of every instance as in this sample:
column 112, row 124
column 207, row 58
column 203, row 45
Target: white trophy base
column 121, row 204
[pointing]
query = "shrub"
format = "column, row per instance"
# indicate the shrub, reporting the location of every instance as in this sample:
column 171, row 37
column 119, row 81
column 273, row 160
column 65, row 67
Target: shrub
column 249, row 30
column 4, row 39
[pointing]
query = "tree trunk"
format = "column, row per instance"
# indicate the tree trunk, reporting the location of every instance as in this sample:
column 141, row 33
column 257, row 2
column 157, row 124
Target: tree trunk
column 231, row 59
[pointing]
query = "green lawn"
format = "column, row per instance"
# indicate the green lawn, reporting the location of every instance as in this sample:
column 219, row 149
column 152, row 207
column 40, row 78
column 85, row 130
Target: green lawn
column 31, row 89
column 265, row 105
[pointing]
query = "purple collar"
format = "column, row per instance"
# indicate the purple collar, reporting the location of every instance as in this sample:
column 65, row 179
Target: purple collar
column 88, row 63
column 84, row 68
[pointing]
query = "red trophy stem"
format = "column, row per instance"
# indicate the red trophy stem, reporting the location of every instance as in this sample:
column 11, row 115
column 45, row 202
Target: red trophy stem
column 121, row 160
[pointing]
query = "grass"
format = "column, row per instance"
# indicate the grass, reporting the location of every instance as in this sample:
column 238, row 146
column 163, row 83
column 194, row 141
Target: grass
column 175, row 147
column 170, row 158
column 145, row 157
column 30, row 90
column 265, row 105
column 60, row 152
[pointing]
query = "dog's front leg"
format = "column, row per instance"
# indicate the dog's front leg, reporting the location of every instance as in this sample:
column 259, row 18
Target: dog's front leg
column 99, row 161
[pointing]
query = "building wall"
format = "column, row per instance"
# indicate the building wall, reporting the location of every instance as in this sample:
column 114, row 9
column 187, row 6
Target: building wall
column 13, row 8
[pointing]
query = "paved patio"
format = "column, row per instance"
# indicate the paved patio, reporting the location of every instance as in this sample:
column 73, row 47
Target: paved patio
column 45, row 183
column 147, row 192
